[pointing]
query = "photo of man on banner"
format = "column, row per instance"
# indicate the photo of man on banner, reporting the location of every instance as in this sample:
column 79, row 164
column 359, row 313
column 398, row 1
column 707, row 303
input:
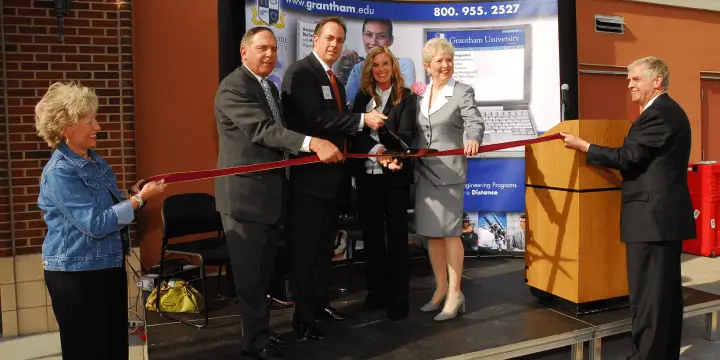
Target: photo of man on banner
column 375, row 32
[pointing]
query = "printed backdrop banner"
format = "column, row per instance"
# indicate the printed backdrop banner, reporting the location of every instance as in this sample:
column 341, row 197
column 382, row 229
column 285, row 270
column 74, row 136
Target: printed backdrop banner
column 508, row 52
column 495, row 185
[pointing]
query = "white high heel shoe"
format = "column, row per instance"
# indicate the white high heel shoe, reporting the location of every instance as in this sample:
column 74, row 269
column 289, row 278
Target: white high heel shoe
column 430, row 307
column 459, row 307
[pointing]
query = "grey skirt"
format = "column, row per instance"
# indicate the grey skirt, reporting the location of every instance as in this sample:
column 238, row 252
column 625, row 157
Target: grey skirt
column 438, row 209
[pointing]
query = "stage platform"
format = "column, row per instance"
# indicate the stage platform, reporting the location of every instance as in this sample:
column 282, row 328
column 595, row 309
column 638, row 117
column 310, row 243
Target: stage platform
column 503, row 321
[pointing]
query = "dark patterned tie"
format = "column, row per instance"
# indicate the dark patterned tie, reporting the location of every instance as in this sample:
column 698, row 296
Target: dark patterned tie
column 276, row 114
column 271, row 101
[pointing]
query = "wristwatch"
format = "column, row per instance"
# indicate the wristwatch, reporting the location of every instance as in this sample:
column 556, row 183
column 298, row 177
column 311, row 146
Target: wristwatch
column 140, row 201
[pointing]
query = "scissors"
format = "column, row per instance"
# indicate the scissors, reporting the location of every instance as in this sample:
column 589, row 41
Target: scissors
column 410, row 151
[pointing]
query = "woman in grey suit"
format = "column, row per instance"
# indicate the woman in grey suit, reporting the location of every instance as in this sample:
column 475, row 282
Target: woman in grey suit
column 447, row 119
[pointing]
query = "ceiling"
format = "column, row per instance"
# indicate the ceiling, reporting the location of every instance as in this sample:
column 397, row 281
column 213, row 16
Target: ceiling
column 713, row 5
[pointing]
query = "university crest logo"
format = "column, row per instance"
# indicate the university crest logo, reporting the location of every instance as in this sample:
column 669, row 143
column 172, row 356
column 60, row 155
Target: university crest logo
column 267, row 12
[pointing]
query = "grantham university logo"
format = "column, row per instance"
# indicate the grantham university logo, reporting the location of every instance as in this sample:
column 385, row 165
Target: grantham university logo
column 268, row 13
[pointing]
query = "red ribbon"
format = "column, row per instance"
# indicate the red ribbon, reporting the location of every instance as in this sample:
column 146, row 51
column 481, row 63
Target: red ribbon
column 208, row 174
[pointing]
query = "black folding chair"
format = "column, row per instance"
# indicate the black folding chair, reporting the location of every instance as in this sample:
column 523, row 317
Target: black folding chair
column 190, row 214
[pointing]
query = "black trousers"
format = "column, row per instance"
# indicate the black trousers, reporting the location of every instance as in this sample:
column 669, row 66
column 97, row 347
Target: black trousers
column 312, row 224
column 252, row 248
column 656, row 299
column 91, row 308
column 383, row 211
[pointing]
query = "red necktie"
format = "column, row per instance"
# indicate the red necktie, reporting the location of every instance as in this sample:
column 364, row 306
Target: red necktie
column 337, row 97
column 335, row 89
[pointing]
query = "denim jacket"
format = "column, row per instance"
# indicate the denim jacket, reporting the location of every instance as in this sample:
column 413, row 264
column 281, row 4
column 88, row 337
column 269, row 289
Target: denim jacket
column 84, row 223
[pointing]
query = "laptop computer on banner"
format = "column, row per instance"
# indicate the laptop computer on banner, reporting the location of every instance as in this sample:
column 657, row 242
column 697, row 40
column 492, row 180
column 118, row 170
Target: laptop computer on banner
column 497, row 62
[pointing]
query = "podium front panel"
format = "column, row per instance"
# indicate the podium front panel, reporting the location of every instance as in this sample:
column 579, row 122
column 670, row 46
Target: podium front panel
column 573, row 246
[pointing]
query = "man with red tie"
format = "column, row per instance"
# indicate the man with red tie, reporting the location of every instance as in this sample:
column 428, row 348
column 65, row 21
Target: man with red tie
column 313, row 102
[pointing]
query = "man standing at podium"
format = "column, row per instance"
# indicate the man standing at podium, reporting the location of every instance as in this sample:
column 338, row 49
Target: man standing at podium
column 656, row 213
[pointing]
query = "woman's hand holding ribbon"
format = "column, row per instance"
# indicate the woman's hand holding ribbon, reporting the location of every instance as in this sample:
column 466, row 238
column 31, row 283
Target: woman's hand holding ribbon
column 472, row 147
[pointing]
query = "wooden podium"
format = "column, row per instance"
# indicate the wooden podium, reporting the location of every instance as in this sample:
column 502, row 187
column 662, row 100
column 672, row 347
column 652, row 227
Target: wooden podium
column 574, row 258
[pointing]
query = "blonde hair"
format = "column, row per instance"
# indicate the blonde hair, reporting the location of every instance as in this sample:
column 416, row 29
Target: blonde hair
column 435, row 46
column 654, row 67
column 368, row 83
column 63, row 105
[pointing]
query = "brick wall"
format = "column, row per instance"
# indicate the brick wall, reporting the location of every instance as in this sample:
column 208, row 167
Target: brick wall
column 5, row 233
column 96, row 51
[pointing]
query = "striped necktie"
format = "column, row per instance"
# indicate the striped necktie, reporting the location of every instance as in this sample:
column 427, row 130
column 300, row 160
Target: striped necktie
column 275, row 113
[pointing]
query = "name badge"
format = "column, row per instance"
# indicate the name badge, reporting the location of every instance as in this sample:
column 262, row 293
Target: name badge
column 326, row 92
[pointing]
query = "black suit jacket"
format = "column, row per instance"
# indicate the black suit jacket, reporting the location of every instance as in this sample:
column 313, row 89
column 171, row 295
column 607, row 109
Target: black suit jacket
column 248, row 135
column 308, row 111
column 653, row 161
column 402, row 120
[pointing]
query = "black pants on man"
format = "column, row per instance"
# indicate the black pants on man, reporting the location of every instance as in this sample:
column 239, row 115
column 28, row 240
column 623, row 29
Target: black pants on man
column 312, row 224
column 91, row 309
column 383, row 211
column 252, row 248
column 656, row 299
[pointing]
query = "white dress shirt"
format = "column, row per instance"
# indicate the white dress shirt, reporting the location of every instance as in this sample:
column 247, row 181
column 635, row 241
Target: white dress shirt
column 651, row 101
column 371, row 165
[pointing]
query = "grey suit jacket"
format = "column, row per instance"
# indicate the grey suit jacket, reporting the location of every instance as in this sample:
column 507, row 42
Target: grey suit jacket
column 249, row 135
column 452, row 118
column 517, row 240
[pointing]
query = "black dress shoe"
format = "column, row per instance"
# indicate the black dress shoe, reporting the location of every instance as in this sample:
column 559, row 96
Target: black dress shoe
column 308, row 331
column 373, row 303
column 275, row 338
column 397, row 313
column 330, row 314
column 398, row 310
column 270, row 352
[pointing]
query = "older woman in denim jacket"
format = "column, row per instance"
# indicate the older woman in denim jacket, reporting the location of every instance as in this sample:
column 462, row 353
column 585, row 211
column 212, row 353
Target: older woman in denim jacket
column 86, row 214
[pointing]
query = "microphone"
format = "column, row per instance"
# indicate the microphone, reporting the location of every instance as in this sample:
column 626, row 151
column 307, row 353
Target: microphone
column 563, row 99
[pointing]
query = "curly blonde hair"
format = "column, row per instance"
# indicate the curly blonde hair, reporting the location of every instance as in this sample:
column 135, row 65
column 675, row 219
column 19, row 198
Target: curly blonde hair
column 63, row 105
